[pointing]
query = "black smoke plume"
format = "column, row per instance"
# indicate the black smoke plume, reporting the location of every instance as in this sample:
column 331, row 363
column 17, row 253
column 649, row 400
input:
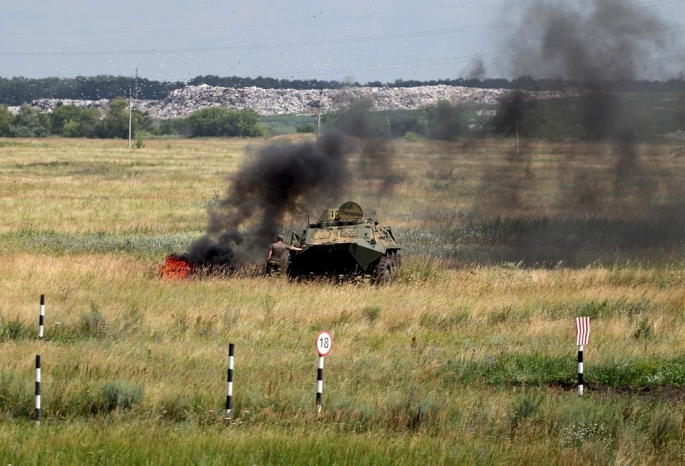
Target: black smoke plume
column 280, row 180
column 370, row 134
column 612, row 41
column 606, row 206
column 287, row 180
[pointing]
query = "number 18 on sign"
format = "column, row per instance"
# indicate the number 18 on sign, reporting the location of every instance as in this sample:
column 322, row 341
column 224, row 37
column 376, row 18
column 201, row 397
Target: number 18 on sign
column 324, row 343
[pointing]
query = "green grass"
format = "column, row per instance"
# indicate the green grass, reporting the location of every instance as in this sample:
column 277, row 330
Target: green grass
column 467, row 357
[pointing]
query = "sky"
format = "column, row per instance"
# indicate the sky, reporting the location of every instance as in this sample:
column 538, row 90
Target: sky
column 353, row 40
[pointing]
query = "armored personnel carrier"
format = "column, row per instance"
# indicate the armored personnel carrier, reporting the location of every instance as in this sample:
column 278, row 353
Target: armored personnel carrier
column 342, row 243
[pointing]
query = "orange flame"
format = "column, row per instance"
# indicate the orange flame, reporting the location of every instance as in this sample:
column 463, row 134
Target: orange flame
column 176, row 267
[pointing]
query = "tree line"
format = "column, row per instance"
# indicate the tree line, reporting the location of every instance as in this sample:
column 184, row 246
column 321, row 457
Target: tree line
column 18, row 90
column 593, row 115
column 76, row 122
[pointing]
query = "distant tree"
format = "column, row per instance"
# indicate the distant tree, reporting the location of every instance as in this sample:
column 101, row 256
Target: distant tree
column 6, row 118
column 407, row 121
column 356, row 119
column 171, row 127
column 115, row 123
column 445, row 121
column 28, row 124
column 599, row 114
column 516, row 113
column 216, row 121
column 680, row 112
column 74, row 122
column 306, row 128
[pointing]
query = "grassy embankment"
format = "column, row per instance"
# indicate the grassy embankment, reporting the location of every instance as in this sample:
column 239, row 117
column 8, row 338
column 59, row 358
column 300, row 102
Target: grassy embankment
column 466, row 357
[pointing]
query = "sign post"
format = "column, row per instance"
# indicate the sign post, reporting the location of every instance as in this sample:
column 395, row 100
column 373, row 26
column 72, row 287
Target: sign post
column 324, row 343
column 582, row 338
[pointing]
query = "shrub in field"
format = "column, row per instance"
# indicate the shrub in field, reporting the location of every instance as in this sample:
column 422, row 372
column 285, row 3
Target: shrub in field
column 306, row 128
column 215, row 121
column 15, row 396
column 371, row 313
column 66, row 400
column 121, row 394
column 412, row 412
column 664, row 427
column 12, row 329
column 523, row 407
column 176, row 408
column 644, row 330
column 92, row 323
column 410, row 136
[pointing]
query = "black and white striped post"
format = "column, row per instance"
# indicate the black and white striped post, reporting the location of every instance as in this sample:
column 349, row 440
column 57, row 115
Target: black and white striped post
column 580, row 370
column 41, row 318
column 229, row 387
column 38, row 389
column 324, row 343
column 582, row 338
column 319, row 385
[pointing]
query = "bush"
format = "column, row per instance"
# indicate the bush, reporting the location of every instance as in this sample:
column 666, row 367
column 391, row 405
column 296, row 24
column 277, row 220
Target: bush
column 6, row 118
column 28, row 124
column 410, row 137
column 523, row 407
column 74, row 122
column 306, row 128
column 170, row 127
column 664, row 427
column 445, row 121
column 115, row 123
column 93, row 324
column 355, row 120
column 13, row 329
column 216, row 122
column 121, row 394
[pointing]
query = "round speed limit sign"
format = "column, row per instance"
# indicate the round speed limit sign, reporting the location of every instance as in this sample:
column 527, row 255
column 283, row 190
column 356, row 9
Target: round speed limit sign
column 324, row 342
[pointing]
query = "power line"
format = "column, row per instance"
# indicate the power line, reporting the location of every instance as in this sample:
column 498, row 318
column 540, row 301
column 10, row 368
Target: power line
column 499, row 55
column 432, row 32
column 281, row 23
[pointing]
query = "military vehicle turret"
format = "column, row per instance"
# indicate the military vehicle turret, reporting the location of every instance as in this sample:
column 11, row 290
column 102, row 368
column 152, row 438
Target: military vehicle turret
column 342, row 243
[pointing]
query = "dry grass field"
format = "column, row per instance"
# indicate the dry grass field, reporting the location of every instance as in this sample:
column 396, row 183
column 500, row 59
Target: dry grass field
column 467, row 357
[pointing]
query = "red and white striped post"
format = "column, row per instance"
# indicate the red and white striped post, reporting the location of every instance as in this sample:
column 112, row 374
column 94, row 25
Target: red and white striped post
column 41, row 317
column 229, row 385
column 582, row 338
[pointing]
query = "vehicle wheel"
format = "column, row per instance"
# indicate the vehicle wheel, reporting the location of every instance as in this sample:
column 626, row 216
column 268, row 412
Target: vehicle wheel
column 384, row 271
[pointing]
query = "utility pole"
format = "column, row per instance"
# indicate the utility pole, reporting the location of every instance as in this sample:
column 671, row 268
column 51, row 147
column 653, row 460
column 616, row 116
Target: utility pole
column 318, row 125
column 136, row 83
column 129, row 117
column 516, row 148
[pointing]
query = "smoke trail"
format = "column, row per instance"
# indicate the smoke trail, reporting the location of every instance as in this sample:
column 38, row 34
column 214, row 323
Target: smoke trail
column 613, row 42
column 610, row 193
column 285, row 180
column 376, row 152
column 281, row 180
